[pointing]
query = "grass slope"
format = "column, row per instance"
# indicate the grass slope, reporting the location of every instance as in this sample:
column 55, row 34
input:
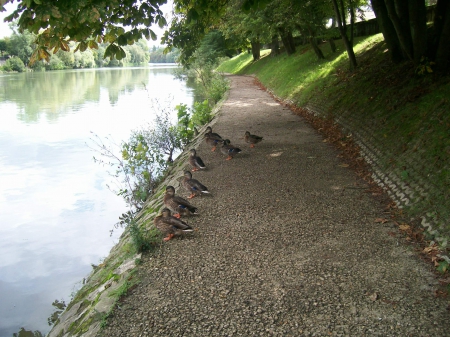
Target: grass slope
column 403, row 117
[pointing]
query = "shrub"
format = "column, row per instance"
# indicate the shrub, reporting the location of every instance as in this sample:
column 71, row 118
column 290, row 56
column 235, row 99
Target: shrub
column 55, row 63
column 184, row 126
column 14, row 64
column 218, row 86
column 201, row 113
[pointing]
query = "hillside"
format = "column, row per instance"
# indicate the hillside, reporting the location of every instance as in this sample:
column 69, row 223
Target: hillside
column 398, row 119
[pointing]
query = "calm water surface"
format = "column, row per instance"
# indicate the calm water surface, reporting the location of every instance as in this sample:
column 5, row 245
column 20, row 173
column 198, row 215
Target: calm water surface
column 55, row 209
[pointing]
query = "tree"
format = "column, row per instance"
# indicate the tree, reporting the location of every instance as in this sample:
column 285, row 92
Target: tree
column 14, row 64
column 341, row 17
column 88, row 23
column 310, row 19
column 138, row 52
column 404, row 27
column 21, row 45
column 192, row 20
column 158, row 56
column 3, row 46
column 55, row 63
column 67, row 58
column 84, row 60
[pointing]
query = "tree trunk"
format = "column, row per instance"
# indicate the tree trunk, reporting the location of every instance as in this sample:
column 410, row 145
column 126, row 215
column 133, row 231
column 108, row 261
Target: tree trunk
column 332, row 45
column 313, row 42
column 418, row 26
column 288, row 40
column 343, row 17
column 438, row 25
column 348, row 46
column 352, row 21
column 274, row 46
column 256, row 49
column 331, row 40
column 315, row 46
column 399, row 22
column 388, row 30
column 443, row 50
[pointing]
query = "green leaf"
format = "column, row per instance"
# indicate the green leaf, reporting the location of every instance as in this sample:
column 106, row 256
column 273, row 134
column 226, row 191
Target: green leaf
column 443, row 266
column 27, row 3
column 110, row 51
column 119, row 52
column 55, row 12
column 162, row 22
column 122, row 40
column 92, row 44
column 153, row 35
column 82, row 46
column 192, row 16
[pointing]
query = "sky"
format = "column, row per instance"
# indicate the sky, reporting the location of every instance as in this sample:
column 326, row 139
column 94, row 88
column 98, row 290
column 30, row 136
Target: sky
column 6, row 31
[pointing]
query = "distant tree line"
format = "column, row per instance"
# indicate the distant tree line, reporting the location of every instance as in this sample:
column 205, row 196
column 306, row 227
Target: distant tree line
column 157, row 55
column 17, row 49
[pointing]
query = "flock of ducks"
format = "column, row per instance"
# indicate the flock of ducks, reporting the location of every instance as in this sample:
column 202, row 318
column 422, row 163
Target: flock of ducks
column 170, row 224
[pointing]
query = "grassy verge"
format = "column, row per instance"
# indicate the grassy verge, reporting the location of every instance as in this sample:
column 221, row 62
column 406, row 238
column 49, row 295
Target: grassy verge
column 400, row 120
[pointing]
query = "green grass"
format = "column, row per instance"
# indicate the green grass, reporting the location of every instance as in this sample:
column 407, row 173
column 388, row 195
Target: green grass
column 405, row 116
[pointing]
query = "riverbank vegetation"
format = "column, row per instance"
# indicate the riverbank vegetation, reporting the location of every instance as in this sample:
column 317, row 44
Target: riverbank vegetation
column 16, row 51
column 139, row 164
column 158, row 55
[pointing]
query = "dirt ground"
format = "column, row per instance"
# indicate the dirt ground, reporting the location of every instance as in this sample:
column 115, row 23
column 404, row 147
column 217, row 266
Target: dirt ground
column 288, row 244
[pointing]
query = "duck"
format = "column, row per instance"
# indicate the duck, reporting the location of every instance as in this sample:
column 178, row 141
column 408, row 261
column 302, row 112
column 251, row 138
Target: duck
column 171, row 226
column 193, row 186
column 229, row 149
column 212, row 138
column 195, row 161
column 252, row 139
column 178, row 204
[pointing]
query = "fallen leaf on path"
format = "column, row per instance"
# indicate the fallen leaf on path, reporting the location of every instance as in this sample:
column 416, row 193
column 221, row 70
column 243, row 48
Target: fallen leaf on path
column 344, row 165
column 373, row 297
column 382, row 220
column 404, row 227
column 275, row 154
column 428, row 250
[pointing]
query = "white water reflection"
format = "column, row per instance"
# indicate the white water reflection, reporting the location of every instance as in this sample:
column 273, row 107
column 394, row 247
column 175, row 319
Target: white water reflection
column 55, row 209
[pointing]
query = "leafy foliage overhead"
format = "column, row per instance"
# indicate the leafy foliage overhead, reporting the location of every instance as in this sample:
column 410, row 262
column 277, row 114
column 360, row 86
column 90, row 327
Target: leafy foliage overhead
column 87, row 22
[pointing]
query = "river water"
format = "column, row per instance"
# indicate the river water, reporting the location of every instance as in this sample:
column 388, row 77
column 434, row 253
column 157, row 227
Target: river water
column 56, row 212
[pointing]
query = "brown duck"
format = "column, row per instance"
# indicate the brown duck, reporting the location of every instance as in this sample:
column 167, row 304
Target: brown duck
column 178, row 204
column 252, row 139
column 171, row 226
column 229, row 149
column 195, row 161
column 193, row 186
column 212, row 139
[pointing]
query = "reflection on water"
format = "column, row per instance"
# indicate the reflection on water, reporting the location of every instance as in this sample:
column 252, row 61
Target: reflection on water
column 55, row 209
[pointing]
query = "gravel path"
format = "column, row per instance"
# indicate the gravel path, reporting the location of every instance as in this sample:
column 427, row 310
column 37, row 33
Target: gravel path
column 287, row 245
